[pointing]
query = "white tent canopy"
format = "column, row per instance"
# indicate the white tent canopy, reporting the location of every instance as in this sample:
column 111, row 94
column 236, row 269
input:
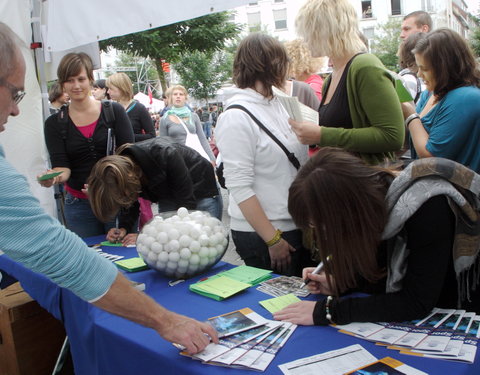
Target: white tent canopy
column 156, row 105
column 64, row 25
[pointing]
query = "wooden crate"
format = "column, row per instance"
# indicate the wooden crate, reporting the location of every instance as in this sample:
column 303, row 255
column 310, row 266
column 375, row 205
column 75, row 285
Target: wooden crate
column 30, row 338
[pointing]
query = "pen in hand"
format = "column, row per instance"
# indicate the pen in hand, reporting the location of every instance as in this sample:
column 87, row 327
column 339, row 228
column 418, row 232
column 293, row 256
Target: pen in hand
column 316, row 271
column 117, row 231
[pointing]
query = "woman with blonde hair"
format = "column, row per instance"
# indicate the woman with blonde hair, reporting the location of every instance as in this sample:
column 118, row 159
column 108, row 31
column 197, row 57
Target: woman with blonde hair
column 360, row 111
column 303, row 66
column 179, row 120
column 120, row 89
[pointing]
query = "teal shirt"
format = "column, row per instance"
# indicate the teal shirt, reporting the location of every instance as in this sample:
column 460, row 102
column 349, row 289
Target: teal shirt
column 33, row 238
column 453, row 126
column 378, row 130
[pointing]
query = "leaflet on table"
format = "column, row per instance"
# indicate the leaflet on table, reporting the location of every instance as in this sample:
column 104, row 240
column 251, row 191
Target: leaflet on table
column 254, row 353
column 361, row 329
column 218, row 287
column 247, row 274
column 233, row 353
column 268, row 356
column 386, row 365
column 278, row 303
column 333, row 362
column 236, row 321
column 228, row 343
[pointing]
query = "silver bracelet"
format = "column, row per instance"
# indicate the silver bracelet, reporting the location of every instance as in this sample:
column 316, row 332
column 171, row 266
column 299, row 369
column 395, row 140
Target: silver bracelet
column 410, row 118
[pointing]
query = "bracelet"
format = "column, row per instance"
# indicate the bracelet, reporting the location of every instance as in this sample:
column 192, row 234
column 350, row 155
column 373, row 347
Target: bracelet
column 276, row 238
column 410, row 118
column 328, row 314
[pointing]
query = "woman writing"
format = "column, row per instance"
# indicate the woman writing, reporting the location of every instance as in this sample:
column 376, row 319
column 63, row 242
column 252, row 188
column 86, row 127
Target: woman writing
column 158, row 169
column 387, row 237
column 360, row 111
column 179, row 119
column 446, row 122
column 120, row 89
column 256, row 170
column 77, row 137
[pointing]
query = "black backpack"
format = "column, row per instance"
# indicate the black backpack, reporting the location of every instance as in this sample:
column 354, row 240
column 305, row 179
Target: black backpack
column 290, row 155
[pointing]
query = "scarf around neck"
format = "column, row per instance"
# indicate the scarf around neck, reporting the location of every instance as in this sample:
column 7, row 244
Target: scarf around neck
column 182, row 112
column 421, row 180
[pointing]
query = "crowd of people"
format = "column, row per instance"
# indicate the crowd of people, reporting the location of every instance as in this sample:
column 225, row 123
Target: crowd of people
column 407, row 234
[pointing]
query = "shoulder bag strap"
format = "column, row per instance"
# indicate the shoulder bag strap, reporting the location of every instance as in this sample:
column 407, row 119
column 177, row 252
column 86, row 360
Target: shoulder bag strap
column 290, row 155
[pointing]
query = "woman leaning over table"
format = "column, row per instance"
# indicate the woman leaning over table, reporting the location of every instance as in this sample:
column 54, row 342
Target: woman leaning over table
column 448, row 120
column 256, row 170
column 76, row 138
column 360, row 111
column 396, row 239
column 171, row 122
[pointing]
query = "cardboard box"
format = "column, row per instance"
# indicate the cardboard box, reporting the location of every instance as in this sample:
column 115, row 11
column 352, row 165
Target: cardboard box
column 30, row 337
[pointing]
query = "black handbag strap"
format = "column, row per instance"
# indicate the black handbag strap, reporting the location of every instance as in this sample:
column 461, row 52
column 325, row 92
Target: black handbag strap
column 290, row 155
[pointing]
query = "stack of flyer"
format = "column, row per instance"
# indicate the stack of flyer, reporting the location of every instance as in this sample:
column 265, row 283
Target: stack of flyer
column 247, row 340
column 443, row 334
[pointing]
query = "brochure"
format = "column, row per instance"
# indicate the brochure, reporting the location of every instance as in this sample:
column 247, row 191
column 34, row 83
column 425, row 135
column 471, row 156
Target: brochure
column 218, row 287
column 278, row 303
column 236, row 321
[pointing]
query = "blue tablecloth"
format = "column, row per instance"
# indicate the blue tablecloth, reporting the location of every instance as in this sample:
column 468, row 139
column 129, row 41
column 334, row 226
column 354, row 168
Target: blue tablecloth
column 103, row 344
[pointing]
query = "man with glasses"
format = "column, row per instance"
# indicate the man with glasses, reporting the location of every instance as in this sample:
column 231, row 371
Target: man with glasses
column 30, row 236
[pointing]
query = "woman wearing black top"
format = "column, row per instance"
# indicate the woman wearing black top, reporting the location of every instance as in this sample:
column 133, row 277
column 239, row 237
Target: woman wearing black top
column 77, row 137
column 396, row 238
column 120, row 90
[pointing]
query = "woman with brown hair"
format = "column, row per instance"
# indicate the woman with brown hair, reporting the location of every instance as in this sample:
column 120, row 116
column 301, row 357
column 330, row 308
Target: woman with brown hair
column 257, row 171
column 396, row 238
column 77, row 136
column 446, row 120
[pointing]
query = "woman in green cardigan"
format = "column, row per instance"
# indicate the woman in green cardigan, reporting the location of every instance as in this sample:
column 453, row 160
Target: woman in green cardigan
column 360, row 111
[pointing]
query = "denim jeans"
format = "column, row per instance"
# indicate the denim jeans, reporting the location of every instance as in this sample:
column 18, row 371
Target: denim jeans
column 81, row 220
column 254, row 252
column 213, row 205
column 207, row 129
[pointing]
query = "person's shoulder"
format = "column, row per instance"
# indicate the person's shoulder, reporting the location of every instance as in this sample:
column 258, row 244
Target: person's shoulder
column 367, row 59
column 467, row 96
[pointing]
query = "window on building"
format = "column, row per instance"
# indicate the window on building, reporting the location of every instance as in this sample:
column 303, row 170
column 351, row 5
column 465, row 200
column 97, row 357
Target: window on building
column 279, row 1
column 253, row 22
column 367, row 9
column 368, row 33
column 280, row 17
column 427, row 5
column 253, row 3
column 396, row 7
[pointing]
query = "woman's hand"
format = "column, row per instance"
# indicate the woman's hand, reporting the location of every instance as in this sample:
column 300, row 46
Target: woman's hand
column 51, row 181
column 307, row 132
column 297, row 313
column 280, row 255
column 115, row 235
column 130, row 239
column 318, row 283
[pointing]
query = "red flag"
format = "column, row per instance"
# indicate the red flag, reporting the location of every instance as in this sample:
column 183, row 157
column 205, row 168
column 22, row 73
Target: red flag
column 150, row 95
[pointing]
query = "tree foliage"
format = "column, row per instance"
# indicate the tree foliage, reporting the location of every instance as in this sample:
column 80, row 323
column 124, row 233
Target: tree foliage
column 204, row 73
column 386, row 42
column 169, row 43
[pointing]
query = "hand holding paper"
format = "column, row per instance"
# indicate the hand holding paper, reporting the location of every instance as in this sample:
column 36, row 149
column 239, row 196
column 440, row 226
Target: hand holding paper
column 298, row 313
column 308, row 133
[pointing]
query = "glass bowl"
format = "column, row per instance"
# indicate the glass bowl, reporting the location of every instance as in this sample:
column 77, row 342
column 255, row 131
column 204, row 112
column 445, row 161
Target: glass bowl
column 181, row 244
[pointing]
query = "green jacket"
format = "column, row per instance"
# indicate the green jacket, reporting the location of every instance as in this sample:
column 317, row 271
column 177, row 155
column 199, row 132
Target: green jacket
column 378, row 129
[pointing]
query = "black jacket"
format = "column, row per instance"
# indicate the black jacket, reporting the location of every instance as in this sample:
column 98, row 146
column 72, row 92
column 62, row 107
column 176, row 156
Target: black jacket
column 173, row 172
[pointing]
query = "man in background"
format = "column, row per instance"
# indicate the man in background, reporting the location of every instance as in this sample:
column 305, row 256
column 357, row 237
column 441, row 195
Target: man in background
column 415, row 22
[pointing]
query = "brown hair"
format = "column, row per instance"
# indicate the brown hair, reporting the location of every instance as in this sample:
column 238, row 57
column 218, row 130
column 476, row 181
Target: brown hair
column 71, row 65
column 421, row 18
column 451, row 60
column 343, row 199
column 262, row 58
column 406, row 58
column 55, row 92
column 114, row 182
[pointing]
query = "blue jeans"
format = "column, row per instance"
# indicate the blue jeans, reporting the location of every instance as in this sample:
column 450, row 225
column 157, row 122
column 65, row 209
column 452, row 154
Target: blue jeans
column 81, row 220
column 213, row 205
column 254, row 252
column 207, row 129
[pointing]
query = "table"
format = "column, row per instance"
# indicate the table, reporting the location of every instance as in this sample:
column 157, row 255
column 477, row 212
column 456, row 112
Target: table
column 102, row 343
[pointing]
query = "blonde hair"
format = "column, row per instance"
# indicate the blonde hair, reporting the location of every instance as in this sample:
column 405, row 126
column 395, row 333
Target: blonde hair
column 301, row 60
column 329, row 27
column 171, row 89
column 114, row 182
column 122, row 82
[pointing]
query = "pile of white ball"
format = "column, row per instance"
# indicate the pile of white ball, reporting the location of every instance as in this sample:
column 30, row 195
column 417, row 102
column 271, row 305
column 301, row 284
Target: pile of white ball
column 184, row 244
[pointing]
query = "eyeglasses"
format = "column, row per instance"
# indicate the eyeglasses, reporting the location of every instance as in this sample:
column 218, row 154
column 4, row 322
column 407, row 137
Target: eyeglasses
column 17, row 94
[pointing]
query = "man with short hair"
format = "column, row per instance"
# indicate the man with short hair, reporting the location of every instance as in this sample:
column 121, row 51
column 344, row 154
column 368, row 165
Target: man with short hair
column 31, row 237
column 416, row 22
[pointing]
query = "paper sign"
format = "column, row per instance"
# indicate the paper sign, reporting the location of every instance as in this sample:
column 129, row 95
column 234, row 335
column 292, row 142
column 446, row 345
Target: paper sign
column 276, row 304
